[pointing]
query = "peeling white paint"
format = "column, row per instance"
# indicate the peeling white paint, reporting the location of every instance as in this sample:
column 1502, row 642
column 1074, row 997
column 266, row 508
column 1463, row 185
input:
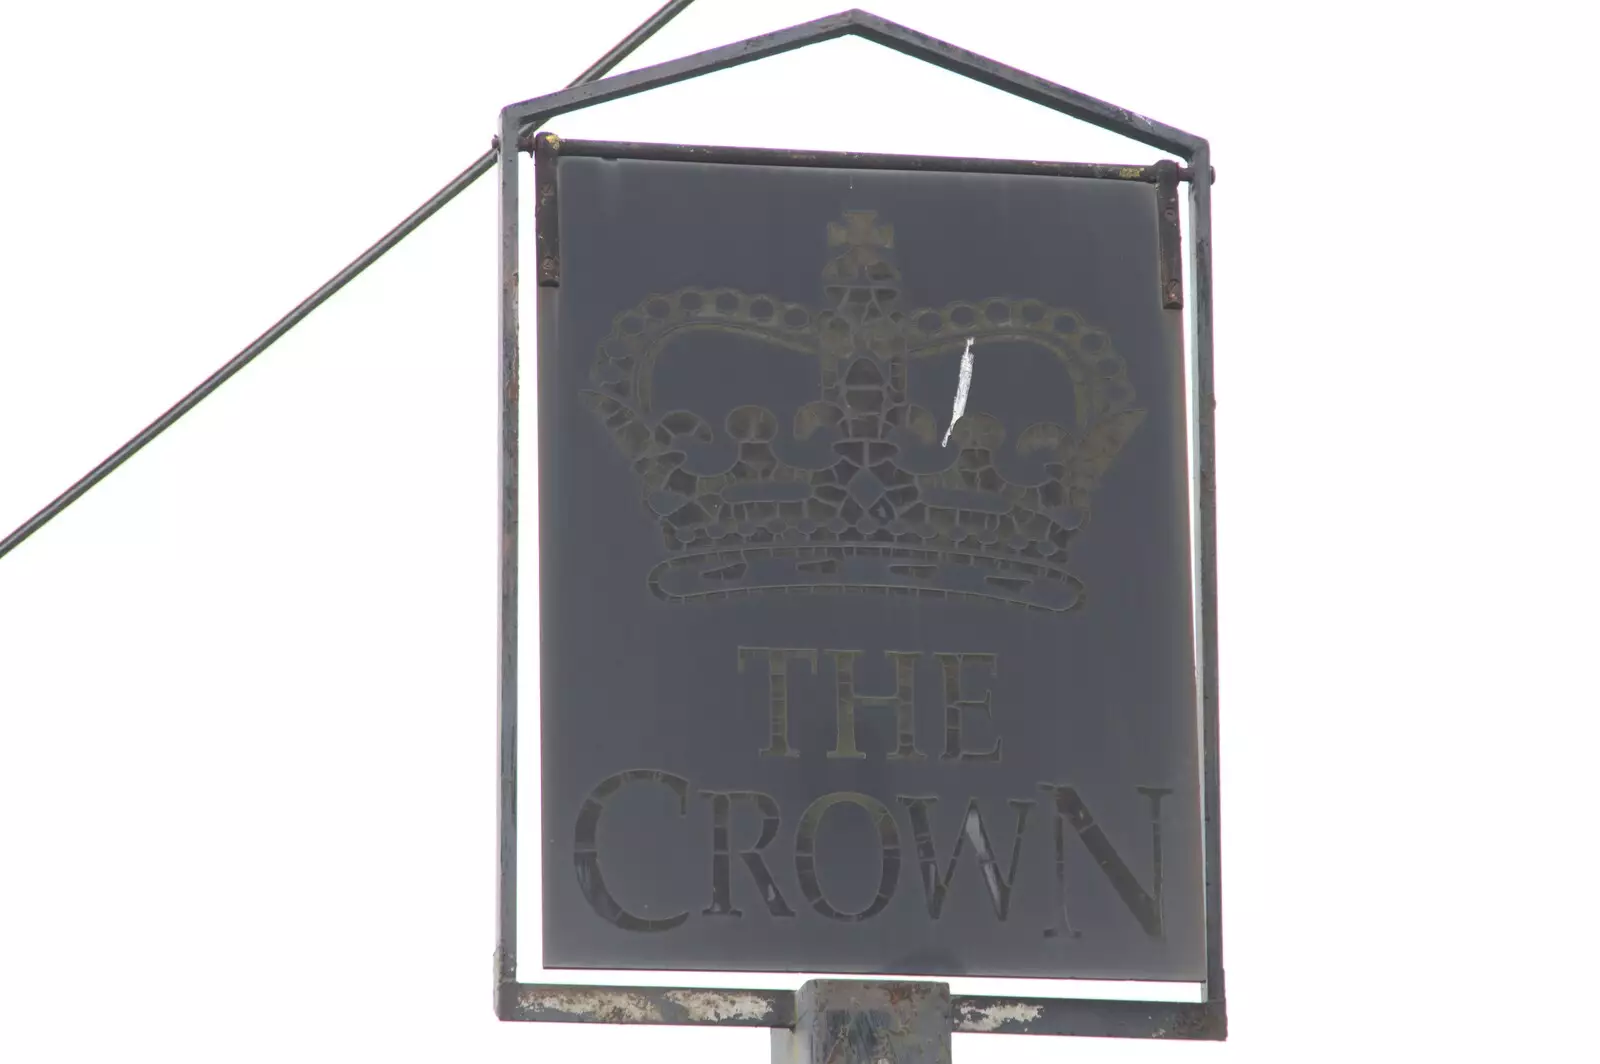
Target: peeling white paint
column 601, row 1006
column 718, row 1006
column 975, row 1018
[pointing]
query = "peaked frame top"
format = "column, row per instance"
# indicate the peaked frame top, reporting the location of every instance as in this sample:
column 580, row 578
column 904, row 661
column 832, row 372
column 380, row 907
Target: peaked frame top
column 857, row 23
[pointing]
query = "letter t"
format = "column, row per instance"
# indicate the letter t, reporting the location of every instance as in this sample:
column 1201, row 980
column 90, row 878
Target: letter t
column 778, row 659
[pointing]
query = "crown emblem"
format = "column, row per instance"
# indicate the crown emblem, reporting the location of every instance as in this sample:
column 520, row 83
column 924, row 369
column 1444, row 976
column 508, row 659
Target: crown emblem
column 860, row 491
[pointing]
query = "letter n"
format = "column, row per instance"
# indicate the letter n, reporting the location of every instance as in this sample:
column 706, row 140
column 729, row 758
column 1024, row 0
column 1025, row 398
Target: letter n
column 1144, row 905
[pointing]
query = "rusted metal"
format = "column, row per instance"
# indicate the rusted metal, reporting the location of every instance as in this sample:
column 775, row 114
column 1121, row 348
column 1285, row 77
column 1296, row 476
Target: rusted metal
column 505, row 956
column 880, row 31
column 1170, row 231
column 684, row 1007
column 507, row 151
column 546, row 216
column 1204, row 419
column 700, row 153
column 1182, row 1021
column 708, row 153
column 1206, row 1020
column 967, row 1013
column 625, row 47
column 852, row 1022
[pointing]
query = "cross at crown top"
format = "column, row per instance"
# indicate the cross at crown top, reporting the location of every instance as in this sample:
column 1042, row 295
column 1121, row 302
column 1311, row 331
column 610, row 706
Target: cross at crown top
column 862, row 238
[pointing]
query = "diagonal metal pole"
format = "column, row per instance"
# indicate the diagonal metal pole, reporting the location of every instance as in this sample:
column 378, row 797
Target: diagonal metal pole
column 483, row 164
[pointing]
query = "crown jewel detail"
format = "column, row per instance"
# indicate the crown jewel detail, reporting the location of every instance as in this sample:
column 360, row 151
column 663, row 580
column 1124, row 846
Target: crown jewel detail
column 883, row 508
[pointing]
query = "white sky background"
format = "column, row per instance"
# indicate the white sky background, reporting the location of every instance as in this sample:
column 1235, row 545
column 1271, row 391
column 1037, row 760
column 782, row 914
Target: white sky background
column 247, row 685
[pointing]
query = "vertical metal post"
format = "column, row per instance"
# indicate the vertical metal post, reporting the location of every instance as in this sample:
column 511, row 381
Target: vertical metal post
column 1206, row 431
column 512, row 127
column 505, row 954
column 841, row 1021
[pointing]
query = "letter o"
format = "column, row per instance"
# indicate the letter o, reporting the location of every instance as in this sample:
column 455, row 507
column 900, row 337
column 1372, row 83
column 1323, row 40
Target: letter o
column 805, row 853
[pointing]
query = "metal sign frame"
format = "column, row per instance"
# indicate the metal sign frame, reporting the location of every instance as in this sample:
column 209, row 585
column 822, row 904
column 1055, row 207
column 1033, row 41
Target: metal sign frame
column 514, row 1001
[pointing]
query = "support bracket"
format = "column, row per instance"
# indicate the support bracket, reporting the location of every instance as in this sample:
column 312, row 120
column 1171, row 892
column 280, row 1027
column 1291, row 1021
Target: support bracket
column 841, row 1021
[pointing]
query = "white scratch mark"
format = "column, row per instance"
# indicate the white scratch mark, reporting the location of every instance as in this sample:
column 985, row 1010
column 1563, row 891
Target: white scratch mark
column 963, row 385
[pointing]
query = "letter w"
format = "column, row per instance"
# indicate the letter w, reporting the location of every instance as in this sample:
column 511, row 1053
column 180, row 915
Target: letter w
column 973, row 830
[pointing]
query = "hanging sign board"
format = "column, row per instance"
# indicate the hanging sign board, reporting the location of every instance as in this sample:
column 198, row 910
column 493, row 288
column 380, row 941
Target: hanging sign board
column 866, row 594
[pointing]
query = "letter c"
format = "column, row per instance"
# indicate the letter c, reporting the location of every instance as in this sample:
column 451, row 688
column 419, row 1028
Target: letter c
column 586, row 853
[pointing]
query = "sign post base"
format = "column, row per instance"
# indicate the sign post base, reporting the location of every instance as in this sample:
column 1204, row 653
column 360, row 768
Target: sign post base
column 840, row 1021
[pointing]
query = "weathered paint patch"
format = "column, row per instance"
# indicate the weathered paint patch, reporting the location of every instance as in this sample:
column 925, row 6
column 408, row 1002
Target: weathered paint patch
column 717, row 1006
column 993, row 1017
column 596, row 1006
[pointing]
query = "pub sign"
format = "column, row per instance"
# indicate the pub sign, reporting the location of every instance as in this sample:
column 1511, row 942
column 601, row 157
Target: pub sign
column 866, row 567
